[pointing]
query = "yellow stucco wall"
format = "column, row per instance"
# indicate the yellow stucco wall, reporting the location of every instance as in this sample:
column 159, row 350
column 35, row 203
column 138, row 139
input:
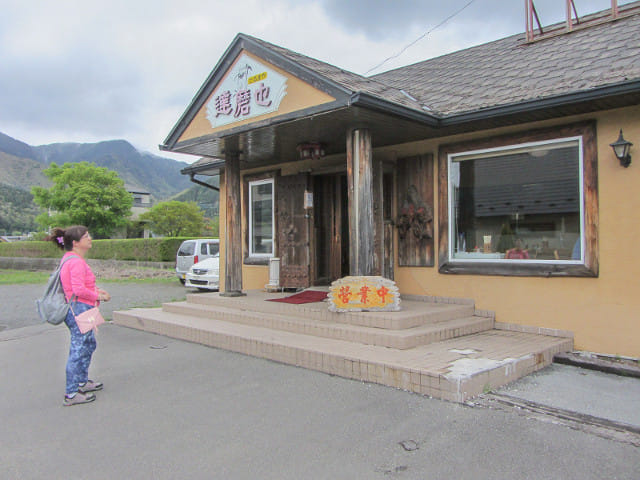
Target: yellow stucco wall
column 603, row 312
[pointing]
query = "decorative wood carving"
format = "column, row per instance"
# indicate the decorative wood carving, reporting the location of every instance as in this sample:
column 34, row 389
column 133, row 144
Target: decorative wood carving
column 415, row 211
column 292, row 228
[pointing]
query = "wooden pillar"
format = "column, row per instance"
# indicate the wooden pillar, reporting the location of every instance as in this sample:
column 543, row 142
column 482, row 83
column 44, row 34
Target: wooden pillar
column 364, row 252
column 233, row 229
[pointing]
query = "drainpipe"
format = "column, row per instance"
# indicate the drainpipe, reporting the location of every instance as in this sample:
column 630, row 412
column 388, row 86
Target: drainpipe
column 204, row 184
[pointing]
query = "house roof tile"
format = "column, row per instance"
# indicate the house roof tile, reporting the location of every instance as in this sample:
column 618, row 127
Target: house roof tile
column 502, row 72
column 511, row 70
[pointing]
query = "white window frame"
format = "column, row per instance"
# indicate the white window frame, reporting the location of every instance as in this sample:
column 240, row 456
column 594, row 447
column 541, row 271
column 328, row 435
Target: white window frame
column 506, row 150
column 273, row 229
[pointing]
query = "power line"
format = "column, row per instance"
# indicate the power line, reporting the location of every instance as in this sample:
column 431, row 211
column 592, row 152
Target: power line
column 419, row 38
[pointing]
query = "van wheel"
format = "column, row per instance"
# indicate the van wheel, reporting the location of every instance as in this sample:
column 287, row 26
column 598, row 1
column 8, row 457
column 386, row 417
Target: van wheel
column 181, row 280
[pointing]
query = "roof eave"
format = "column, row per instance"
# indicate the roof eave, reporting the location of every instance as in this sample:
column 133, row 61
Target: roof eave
column 216, row 164
column 371, row 102
column 565, row 100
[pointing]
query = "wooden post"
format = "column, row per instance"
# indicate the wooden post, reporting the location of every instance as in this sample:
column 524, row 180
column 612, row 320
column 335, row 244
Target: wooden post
column 362, row 251
column 233, row 230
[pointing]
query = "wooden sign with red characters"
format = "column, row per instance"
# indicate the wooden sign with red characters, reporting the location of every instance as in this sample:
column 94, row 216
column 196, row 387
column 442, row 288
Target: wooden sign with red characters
column 364, row 294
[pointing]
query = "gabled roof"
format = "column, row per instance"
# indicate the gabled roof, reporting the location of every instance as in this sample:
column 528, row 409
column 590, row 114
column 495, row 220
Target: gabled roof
column 349, row 81
column 343, row 85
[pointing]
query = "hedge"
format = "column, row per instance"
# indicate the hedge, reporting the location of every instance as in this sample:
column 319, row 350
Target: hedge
column 140, row 249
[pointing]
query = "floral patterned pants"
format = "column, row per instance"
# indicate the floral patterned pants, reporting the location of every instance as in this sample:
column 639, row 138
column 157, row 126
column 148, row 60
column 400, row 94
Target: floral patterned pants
column 80, row 350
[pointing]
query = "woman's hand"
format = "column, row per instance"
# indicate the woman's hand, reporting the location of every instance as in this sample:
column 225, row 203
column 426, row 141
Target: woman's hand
column 103, row 295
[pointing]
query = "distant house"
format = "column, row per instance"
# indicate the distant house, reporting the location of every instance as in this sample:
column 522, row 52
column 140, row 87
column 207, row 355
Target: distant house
column 430, row 174
column 141, row 203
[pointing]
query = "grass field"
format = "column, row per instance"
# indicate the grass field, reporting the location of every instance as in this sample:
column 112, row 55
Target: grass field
column 15, row 277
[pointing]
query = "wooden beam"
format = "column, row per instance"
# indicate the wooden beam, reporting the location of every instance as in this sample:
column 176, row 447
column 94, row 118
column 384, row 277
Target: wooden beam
column 362, row 243
column 233, row 230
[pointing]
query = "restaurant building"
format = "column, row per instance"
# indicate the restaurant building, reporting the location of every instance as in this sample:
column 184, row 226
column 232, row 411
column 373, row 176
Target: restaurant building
column 486, row 173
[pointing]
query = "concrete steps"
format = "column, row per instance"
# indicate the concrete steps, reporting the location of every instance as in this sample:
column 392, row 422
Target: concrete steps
column 442, row 351
column 433, row 329
column 413, row 314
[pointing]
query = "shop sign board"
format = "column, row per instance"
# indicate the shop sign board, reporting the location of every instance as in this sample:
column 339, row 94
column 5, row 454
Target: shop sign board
column 364, row 293
column 249, row 89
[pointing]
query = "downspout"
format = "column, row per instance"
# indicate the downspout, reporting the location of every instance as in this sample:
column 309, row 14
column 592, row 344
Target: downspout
column 200, row 182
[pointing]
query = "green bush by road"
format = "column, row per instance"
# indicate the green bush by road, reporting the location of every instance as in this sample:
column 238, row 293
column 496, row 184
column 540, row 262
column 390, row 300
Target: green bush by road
column 139, row 249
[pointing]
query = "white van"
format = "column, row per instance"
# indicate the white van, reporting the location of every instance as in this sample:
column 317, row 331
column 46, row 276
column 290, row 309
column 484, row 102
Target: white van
column 194, row 251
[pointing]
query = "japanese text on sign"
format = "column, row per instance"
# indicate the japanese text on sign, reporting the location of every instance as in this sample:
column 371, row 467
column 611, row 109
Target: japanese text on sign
column 367, row 293
column 245, row 94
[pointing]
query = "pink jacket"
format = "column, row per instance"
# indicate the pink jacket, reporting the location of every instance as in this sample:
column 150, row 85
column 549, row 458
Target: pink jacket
column 78, row 279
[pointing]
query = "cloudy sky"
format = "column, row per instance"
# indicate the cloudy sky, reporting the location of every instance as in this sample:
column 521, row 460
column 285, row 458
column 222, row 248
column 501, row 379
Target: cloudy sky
column 85, row 71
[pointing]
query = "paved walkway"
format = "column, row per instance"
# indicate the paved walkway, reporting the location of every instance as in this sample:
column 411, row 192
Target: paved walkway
column 172, row 409
column 588, row 392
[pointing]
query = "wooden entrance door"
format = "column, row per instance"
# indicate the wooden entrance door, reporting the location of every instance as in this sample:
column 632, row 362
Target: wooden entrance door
column 331, row 228
column 293, row 231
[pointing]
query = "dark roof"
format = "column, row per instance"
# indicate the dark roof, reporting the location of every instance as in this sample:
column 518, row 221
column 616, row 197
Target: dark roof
column 503, row 72
column 511, row 70
column 352, row 82
column 204, row 166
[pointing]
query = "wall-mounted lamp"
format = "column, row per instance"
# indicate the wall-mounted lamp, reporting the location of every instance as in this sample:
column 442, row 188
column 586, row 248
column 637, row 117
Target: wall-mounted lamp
column 621, row 148
column 312, row 151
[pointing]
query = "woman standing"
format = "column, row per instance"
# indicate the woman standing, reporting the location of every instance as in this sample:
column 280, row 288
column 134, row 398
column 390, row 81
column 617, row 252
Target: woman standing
column 79, row 284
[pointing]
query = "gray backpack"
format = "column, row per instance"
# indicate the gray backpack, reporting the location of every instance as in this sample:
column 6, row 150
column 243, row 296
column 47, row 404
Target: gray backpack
column 53, row 306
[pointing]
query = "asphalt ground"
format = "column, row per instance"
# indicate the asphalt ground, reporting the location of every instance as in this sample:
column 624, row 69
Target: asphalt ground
column 175, row 410
column 18, row 307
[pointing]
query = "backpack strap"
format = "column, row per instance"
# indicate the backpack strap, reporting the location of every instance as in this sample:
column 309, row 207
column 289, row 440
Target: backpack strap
column 60, row 271
column 68, row 258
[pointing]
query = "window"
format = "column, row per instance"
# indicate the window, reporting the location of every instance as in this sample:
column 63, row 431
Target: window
column 214, row 248
column 187, row 249
column 521, row 206
column 520, row 203
column 261, row 218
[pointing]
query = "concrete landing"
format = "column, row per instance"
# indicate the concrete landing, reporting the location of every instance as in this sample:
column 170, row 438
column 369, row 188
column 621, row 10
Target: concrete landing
column 435, row 348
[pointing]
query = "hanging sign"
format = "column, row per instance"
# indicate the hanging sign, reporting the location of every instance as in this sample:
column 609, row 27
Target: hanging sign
column 250, row 89
column 364, row 293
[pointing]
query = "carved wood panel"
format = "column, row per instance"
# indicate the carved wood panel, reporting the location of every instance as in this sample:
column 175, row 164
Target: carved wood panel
column 293, row 231
column 415, row 216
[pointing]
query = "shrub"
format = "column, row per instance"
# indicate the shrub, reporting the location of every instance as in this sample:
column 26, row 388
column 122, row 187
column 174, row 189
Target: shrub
column 139, row 249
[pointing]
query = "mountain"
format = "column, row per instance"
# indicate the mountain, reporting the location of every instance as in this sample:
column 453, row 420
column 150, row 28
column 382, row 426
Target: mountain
column 21, row 167
column 142, row 170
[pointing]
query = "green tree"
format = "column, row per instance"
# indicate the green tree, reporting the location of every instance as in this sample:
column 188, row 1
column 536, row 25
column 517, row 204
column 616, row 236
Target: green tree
column 84, row 194
column 175, row 219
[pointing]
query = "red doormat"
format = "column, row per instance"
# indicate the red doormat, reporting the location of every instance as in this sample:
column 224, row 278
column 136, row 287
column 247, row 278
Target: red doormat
column 308, row 296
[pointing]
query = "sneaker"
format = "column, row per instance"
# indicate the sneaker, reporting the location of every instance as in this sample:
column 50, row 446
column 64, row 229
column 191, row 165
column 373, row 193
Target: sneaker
column 90, row 386
column 78, row 399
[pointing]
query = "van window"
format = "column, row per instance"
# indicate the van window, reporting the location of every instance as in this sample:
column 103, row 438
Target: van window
column 214, row 248
column 187, row 249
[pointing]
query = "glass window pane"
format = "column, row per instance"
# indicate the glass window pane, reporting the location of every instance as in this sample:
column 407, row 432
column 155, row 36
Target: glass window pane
column 214, row 248
column 262, row 218
column 187, row 249
column 519, row 204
